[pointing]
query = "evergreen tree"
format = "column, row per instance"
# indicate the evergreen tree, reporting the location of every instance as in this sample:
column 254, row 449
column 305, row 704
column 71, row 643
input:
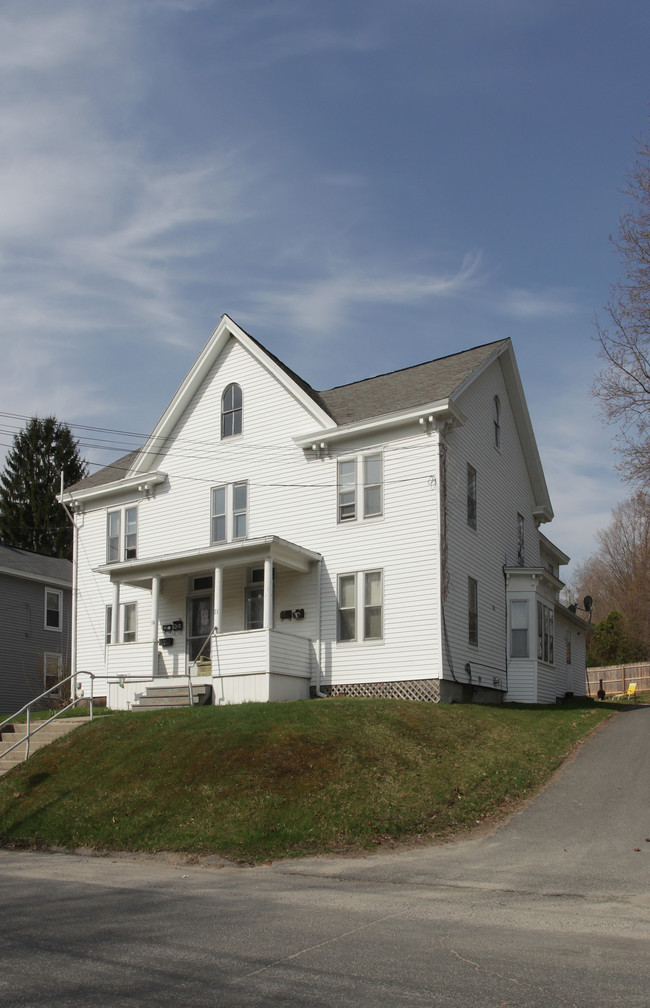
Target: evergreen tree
column 614, row 642
column 30, row 516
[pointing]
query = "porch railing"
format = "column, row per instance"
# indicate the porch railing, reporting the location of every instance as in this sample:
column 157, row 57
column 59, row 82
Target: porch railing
column 27, row 708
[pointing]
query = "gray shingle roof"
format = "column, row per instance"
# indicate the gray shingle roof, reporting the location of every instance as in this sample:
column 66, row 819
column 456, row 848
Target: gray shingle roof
column 405, row 389
column 117, row 470
column 26, row 563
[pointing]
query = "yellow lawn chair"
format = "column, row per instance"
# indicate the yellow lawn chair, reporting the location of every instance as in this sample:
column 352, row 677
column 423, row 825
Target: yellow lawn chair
column 629, row 694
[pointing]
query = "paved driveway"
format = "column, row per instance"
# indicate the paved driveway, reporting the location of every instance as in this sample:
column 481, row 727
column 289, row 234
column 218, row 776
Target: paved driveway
column 552, row 908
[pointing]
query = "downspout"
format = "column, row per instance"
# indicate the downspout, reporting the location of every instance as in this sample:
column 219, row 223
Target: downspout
column 75, row 582
column 317, row 691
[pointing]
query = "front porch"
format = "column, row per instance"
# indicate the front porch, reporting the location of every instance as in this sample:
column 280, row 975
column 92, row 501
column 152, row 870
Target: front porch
column 241, row 616
column 262, row 665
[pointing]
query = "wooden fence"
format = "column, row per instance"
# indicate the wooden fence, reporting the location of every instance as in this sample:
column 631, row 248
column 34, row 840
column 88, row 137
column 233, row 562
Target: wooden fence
column 617, row 678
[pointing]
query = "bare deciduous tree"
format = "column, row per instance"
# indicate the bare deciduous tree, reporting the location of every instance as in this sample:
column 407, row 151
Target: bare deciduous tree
column 617, row 575
column 623, row 386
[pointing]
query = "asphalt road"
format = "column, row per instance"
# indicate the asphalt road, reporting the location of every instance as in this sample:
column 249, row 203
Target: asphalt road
column 553, row 908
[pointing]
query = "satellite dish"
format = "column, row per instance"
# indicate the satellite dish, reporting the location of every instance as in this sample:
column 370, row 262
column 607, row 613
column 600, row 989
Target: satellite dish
column 588, row 602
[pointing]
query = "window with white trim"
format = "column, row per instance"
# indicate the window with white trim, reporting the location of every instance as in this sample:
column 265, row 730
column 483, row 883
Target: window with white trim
column 229, row 512
column 472, row 611
column 360, row 479
column 519, row 628
column 52, row 670
column 471, row 496
column 545, row 631
column 231, row 411
column 53, row 609
column 108, row 624
column 360, row 606
column 122, row 534
column 129, row 622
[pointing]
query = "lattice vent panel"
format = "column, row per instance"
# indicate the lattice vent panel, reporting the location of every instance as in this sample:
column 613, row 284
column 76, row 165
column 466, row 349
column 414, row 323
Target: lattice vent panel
column 418, row 689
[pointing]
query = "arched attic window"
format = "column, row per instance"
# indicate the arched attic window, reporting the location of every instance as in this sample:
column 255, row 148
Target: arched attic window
column 497, row 422
column 231, row 411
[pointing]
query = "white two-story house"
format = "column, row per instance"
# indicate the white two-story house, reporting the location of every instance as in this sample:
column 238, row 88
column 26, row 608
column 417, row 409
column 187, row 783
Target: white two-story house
column 379, row 538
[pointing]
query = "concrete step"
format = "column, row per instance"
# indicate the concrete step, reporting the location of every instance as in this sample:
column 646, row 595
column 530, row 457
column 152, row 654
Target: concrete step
column 160, row 697
column 49, row 733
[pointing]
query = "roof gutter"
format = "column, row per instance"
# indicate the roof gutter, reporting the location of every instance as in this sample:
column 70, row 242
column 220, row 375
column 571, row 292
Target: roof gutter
column 443, row 408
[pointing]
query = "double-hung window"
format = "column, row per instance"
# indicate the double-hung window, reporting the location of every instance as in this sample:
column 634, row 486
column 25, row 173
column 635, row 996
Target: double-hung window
column 360, row 487
column 471, row 496
column 519, row 628
column 521, row 555
column 229, row 512
column 360, row 606
column 52, row 670
column 53, row 609
column 472, row 611
column 122, row 535
column 545, row 633
column 129, row 622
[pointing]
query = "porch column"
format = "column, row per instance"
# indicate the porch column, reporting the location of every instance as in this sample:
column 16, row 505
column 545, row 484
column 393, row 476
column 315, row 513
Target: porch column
column 155, row 610
column 115, row 614
column 268, row 593
column 218, row 598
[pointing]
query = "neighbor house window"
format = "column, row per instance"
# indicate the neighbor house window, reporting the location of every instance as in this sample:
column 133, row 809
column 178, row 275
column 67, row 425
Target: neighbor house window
column 519, row 629
column 53, row 609
column 360, row 479
column 472, row 611
column 360, row 606
column 471, row 496
column 231, row 411
column 129, row 614
column 118, row 548
column 229, row 514
column 496, row 408
column 108, row 624
column 545, row 621
column 52, row 670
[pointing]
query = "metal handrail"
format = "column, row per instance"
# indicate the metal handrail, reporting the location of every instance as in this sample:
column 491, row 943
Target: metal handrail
column 41, row 724
column 189, row 667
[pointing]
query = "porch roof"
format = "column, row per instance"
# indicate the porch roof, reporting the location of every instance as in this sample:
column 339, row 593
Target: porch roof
column 233, row 554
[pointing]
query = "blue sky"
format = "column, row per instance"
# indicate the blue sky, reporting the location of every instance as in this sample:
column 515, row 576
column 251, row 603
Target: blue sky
column 362, row 186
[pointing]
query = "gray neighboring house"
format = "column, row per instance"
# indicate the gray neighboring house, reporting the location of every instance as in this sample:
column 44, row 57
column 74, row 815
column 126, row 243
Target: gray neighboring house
column 35, row 607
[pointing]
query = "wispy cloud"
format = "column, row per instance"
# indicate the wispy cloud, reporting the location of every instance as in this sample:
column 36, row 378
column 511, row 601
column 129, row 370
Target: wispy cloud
column 539, row 304
column 316, row 306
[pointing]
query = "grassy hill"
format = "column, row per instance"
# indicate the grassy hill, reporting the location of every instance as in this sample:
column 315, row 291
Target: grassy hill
column 261, row 781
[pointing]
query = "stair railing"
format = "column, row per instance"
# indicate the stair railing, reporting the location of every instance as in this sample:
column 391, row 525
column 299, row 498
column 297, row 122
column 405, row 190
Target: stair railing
column 195, row 663
column 29, row 731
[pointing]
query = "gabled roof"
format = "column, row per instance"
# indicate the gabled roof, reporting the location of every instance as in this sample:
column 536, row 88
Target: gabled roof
column 225, row 331
column 35, row 566
column 437, row 383
column 405, row 389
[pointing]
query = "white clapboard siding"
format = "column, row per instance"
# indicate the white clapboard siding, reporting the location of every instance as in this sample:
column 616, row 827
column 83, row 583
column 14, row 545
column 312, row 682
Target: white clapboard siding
column 292, row 495
column 503, row 491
